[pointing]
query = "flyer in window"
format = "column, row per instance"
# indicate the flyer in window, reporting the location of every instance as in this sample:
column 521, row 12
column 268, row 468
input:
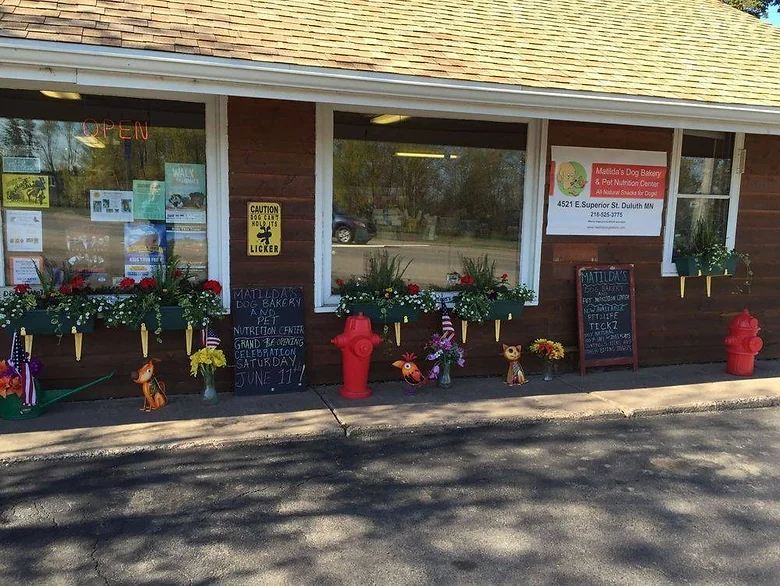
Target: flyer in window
column 22, row 165
column 26, row 191
column 188, row 242
column 111, row 206
column 185, row 188
column 88, row 253
column 144, row 248
column 21, row 270
column 23, row 231
column 149, row 200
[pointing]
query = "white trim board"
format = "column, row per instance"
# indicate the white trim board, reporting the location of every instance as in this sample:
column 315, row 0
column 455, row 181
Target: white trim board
column 90, row 68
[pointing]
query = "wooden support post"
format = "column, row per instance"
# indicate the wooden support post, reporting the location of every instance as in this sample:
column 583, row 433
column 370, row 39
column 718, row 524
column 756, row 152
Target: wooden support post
column 682, row 287
column 77, row 340
column 709, row 285
column 144, row 340
column 28, row 341
column 397, row 333
column 464, row 328
column 188, row 338
column 498, row 329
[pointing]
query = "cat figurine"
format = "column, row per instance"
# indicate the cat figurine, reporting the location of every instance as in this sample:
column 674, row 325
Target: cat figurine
column 515, row 374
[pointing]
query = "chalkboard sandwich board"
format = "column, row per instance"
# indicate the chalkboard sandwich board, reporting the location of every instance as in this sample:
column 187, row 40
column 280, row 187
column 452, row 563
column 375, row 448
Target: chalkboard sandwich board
column 606, row 319
column 268, row 343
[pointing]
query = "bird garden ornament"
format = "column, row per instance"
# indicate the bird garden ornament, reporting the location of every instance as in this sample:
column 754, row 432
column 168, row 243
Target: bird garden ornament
column 410, row 372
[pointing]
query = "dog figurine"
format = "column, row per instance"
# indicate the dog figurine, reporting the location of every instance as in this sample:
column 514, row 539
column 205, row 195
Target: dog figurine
column 515, row 374
column 153, row 390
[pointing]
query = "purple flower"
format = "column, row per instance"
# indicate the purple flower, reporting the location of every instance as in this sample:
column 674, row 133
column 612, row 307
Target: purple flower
column 461, row 362
column 36, row 365
column 434, row 374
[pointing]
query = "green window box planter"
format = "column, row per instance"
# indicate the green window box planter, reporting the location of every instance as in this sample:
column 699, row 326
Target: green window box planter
column 695, row 266
column 396, row 314
column 503, row 308
column 171, row 318
column 37, row 322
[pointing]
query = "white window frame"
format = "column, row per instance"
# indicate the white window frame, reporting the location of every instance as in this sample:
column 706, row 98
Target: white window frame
column 217, row 202
column 530, row 245
column 668, row 268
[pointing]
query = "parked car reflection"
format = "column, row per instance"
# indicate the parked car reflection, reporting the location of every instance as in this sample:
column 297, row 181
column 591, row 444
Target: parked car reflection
column 349, row 230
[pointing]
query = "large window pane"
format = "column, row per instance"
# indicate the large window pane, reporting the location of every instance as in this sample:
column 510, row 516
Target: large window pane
column 690, row 211
column 705, row 166
column 103, row 186
column 432, row 191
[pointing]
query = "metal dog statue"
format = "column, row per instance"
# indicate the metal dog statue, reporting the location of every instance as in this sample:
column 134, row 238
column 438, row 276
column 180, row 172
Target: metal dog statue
column 153, row 389
column 515, row 374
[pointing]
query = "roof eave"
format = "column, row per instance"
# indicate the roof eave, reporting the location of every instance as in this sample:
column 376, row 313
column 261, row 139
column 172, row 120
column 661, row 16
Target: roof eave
column 91, row 68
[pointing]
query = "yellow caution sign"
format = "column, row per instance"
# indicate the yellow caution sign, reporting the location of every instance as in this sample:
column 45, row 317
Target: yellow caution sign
column 264, row 228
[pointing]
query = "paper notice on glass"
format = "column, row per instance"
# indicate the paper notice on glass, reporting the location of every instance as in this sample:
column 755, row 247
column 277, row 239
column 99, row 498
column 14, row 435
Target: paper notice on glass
column 110, row 206
column 149, row 200
column 144, row 246
column 22, row 271
column 22, row 165
column 185, row 188
column 23, row 231
column 25, row 191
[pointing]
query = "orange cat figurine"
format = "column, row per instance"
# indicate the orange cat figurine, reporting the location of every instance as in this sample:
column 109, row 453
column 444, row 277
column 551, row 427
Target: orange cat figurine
column 515, row 374
column 153, row 390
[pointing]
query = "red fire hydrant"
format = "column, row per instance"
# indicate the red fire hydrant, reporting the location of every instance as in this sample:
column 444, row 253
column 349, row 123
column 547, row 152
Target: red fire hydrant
column 357, row 343
column 742, row 344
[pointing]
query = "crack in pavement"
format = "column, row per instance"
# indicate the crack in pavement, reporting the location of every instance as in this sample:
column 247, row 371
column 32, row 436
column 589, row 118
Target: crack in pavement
column 96, row 562
column 332, row 409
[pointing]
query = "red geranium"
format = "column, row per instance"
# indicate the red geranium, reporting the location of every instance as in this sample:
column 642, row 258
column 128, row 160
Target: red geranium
column 148, row 283
column 78, row 282
column 339, row 282
column 65, row 290
column 212, row 286
column 20, row 289
column 467, row 280
column 178, row 273
column 504, row 277
column 413, row 289
column 126, row 283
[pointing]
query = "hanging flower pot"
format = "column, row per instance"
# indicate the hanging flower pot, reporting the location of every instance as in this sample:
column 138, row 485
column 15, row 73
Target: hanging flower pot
column 171, row 318
column 39, row 322
column 399, row 313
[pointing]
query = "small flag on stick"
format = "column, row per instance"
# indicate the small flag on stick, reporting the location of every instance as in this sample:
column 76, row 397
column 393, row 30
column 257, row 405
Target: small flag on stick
column 448, row 332
column 209, row 338
column 21, row 363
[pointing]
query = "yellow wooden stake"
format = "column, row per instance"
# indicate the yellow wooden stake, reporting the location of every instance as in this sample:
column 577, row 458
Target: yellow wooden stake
column 397, row 333
column 28, row 341
column 682, row 287
column 144, row 340
column 77, row 340
column 498, row 329
column 188, row 339
column 709, row 285
column 464, row 327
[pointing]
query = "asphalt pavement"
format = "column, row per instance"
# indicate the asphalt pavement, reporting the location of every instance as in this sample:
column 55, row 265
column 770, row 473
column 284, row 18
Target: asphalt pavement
column 677, row 499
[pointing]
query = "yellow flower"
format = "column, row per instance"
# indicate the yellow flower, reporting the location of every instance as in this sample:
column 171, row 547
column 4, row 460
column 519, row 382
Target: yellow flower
column 211, row 357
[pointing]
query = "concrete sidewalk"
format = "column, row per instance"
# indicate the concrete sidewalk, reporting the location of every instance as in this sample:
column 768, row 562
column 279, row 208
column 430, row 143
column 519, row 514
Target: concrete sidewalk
column 117, row 426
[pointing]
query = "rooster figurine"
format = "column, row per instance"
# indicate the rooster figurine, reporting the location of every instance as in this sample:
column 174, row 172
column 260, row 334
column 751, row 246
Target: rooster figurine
column 410, row 372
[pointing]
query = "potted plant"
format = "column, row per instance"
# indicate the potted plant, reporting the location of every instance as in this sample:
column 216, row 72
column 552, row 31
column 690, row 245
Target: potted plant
column 444, row 353
column 705, row 255
column 382, row 294
column 62, row 302
column 168, row 300
column 550, row 352
column 482, row 296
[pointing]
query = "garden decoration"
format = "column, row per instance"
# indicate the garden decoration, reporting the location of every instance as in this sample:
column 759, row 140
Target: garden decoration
column 515, row 374
column 382, row 295
column 205, row 362
column 410, row 372
column 706, row 255
column 483, row 296
column 549, row 352
column 21, row 396
column 62, row 303
column 153, row 389
column 169, row 300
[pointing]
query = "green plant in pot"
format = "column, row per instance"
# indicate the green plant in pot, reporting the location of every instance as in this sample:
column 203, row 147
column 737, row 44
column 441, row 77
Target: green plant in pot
column 706, row 255
column 382, row 294
column 484, row 296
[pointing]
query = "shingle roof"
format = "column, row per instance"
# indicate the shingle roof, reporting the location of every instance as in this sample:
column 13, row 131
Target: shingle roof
column 690, row 49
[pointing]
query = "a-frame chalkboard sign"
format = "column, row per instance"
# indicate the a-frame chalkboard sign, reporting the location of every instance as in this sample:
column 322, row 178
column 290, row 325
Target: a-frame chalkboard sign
column 606, row 319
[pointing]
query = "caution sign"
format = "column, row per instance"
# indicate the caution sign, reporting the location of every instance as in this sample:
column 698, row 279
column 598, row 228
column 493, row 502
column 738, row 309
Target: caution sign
column 264, row 229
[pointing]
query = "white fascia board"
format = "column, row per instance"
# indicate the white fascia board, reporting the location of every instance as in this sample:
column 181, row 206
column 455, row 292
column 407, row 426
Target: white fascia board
column 89, row 67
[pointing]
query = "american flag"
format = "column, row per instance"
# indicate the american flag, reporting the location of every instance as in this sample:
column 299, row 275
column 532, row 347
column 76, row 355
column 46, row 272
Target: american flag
column 21, row 364
column 448, row 332
column 209, row 338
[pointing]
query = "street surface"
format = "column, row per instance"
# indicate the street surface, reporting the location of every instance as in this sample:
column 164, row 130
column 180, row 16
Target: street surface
column 682, row 499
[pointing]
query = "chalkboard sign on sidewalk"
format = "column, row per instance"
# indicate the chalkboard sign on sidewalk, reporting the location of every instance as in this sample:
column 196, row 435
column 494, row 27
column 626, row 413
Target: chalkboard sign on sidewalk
column 268, row 343
column 606, row 315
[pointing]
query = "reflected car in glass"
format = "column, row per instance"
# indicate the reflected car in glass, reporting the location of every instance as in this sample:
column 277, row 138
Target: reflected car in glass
column 349, row 230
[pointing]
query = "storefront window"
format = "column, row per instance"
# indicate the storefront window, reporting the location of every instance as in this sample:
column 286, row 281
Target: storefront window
column 104, row 186
column 429, row 190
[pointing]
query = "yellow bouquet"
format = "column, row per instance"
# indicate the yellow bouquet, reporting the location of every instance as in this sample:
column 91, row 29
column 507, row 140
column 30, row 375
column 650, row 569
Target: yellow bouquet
column 547, row 349
column 206, row 361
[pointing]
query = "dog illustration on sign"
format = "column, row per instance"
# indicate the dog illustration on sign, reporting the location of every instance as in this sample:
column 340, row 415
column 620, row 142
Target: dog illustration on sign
column 265, row 235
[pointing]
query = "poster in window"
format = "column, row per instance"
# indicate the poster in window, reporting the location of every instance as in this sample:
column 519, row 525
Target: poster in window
column 21, row 270
column 23, row 231
column 189, row 243
column 26, row 191
column 149, row 200
column 606, row 192
column 185, row 188
column 88, row 253
column 22, row 165
column 144, row 248
column 110, row 206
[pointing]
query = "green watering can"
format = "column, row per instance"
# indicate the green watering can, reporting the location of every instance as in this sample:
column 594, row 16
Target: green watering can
column 11, row 406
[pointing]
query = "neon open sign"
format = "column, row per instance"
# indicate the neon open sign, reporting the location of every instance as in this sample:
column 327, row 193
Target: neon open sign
column 124, row 129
